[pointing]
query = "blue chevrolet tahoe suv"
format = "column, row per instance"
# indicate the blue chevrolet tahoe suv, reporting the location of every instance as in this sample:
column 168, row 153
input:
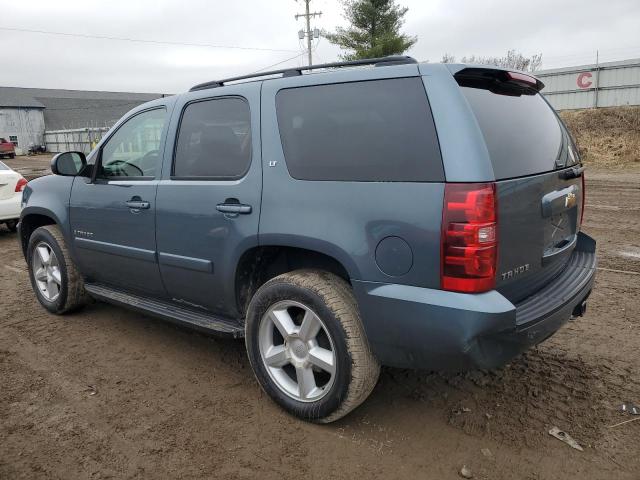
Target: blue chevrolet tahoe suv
column 338, row 217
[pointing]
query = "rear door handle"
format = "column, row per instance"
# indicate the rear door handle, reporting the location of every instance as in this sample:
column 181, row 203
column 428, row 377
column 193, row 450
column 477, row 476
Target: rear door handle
column 234, row 208
column 138, row 204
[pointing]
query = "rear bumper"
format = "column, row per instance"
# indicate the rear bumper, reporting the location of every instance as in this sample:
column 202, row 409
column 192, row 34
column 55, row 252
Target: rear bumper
column 417, row 327
column 10, row 207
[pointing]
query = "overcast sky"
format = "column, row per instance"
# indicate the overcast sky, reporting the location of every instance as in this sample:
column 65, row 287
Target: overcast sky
column 566, row 32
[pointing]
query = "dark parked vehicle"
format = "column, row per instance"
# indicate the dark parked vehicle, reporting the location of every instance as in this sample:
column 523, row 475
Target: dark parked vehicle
column 413, row 215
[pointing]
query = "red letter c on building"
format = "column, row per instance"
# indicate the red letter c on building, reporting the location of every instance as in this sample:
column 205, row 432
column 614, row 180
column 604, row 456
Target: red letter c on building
column 583, row 80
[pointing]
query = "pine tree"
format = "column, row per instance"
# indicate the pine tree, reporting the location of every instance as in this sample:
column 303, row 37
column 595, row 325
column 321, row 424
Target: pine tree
column 374, row 31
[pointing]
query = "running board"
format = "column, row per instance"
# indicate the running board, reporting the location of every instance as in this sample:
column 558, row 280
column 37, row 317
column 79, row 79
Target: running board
column 166, row 311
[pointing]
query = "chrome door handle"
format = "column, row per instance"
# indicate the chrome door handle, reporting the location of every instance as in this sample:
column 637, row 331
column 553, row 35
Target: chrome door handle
column 237, row 208
column 138, row 204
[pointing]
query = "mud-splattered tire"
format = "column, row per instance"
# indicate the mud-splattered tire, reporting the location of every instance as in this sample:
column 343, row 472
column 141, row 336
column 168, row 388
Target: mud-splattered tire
column 70, row 294
column 308, row 321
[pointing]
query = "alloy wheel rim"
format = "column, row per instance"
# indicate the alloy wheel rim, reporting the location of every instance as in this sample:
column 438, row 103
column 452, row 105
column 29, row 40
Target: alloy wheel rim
column 46, row 271
column 297, row 351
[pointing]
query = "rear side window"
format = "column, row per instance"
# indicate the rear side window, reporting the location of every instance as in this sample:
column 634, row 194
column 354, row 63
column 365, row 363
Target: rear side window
column 378, row 130
column 521, row 131
column 214, row 139
column 3, row 166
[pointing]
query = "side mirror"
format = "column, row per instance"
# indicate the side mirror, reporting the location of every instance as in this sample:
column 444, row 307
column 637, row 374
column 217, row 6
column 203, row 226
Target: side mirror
column 68, row 164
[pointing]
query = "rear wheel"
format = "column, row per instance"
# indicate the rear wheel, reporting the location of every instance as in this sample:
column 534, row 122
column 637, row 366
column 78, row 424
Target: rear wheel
column 307, row 346
column 54, row 277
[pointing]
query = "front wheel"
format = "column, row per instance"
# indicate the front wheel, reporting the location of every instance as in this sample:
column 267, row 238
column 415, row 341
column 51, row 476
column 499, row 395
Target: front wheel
column 307, row 345
column 55, row 280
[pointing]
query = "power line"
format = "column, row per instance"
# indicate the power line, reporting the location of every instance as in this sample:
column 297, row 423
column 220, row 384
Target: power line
column 279, row 63
column 140, row 102
column 137, row 40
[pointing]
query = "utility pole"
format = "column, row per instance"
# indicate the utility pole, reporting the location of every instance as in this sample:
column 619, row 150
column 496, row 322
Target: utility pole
column 308, row 33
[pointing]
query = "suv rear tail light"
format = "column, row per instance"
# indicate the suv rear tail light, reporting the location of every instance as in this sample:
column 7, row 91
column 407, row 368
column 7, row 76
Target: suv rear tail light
column 21, row 184
column 469, row 246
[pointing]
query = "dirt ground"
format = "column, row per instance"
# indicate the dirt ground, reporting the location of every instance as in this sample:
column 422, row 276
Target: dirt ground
column 30, row 167
column 107, row 393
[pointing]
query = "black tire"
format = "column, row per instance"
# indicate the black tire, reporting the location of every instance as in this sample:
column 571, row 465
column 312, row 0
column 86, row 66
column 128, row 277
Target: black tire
column 12, row 155
column 332, row 300
column 12, row 225
column 72, row 295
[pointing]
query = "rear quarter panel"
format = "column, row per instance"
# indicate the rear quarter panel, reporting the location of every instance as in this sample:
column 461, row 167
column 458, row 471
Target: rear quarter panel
column 464, row 153
column 347, row 220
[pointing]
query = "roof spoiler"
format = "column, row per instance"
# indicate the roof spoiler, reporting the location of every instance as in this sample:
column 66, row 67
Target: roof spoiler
column 502, row 81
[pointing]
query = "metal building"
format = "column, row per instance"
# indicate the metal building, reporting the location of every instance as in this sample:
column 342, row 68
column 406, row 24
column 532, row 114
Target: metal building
column 608, row 84
column 72, row 118
column 21, row 120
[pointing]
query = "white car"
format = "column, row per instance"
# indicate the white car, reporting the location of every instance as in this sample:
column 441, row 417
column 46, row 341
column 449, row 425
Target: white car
column 11, row 186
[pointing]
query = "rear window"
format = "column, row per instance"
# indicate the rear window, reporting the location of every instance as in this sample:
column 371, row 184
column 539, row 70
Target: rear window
column 214, row 139
column 379, row 130
column 3, row 166
column 522, row 133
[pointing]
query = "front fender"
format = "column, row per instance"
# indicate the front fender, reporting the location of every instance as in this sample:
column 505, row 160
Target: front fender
column 48, row 196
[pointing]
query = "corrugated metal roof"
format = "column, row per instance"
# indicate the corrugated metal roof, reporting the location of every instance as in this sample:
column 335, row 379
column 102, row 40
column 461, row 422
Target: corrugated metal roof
column 65, row 113
column 66, row 109
column 86, row 94
column 14, row 98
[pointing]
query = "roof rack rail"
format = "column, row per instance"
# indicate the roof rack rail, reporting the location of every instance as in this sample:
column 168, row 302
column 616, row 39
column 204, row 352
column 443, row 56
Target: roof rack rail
column 291, row 72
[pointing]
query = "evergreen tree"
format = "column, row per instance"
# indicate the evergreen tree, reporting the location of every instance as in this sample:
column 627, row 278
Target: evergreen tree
column 374, row 30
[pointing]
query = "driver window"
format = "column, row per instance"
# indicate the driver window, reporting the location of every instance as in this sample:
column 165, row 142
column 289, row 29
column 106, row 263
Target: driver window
column 134, row 150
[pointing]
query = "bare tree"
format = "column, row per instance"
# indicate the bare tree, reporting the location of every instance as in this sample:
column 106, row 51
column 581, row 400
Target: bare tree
column 448, row 58
column 512, row 59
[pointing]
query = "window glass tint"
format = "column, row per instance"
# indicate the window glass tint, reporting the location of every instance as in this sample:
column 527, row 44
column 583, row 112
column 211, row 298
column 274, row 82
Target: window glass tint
column 3, row 166
column 522, row 133
column 378, row 130
column 134, row 150
column 214, row 139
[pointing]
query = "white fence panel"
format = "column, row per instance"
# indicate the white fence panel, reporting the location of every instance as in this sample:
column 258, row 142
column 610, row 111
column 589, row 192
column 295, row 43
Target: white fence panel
column 81, row 139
